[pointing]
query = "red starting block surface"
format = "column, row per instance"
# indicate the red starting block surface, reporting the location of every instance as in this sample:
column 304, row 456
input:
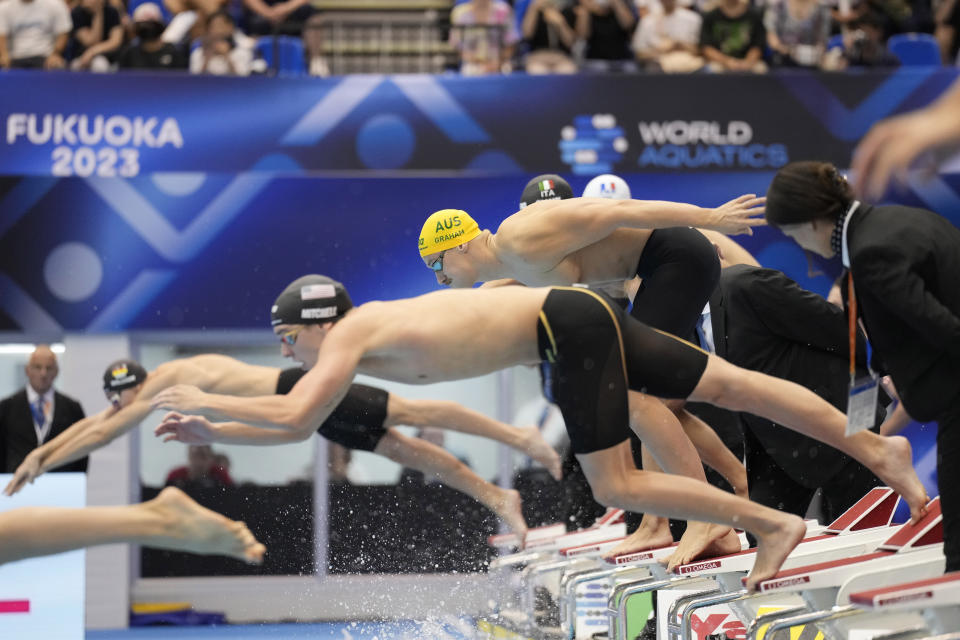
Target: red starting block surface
column 612, row 516
column 739, row 561
column 873, row 510
column 926, row 532
column 594, row 547
column 548, row 532
column 541, row 536
column 648, row 556
column 934, row 592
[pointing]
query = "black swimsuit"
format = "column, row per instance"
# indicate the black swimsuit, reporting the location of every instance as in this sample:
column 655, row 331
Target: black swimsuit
column 595, row 353
column 680, row 270
column 357, row 422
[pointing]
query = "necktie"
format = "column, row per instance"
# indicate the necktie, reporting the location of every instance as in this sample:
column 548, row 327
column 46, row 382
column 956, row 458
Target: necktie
column 38, row 410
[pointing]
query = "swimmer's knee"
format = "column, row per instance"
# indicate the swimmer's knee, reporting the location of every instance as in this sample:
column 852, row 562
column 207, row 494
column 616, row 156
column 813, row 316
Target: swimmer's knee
column 604, row 497
column 610, row 494
column 391, row 445
column 675, row 404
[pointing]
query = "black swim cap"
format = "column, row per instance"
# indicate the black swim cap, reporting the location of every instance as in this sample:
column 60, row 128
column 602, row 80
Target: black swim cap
column 549, row 186
column 123, row 374
column 311, row 299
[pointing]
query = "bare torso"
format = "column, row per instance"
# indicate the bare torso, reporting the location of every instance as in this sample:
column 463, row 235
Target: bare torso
column 446, row 335
column 224, row 375
column 608, row 261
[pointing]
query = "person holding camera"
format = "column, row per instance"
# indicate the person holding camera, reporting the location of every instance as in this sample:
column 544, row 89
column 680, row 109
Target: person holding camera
column 223, row 51
column 548, row 29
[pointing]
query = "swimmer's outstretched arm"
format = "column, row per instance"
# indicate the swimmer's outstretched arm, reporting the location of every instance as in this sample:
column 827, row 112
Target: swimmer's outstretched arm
column 70, row 433
column 94, row 432
column 728, row 250
column 192, row 429
column 37, row 461
column 90, row 434
column 84, row 439
column 890, row 147
column 98, row 434
column 308, row 404
column 556, row 228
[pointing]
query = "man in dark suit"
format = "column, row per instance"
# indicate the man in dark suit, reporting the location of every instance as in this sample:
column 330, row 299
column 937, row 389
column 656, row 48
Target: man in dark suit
column 36, row 413
column 762, row 320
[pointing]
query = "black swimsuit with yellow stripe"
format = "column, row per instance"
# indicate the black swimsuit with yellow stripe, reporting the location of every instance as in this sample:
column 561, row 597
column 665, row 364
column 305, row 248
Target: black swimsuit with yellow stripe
column 594, row 352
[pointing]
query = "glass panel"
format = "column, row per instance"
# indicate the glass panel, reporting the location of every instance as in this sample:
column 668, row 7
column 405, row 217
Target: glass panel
column 268, row 487
column 390, row 518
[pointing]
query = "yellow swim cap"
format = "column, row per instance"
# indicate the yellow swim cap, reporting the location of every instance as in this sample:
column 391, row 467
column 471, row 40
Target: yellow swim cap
column 446, row 229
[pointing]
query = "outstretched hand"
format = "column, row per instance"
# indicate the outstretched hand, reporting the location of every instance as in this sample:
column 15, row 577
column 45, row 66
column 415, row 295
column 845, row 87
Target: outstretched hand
column 740, row 215
column 180, row 397
column 885, row 154
column 28, row 471
column 185, row 429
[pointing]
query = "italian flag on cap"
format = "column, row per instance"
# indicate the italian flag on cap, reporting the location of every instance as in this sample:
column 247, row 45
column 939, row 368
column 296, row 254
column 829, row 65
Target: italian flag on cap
column 546, row 185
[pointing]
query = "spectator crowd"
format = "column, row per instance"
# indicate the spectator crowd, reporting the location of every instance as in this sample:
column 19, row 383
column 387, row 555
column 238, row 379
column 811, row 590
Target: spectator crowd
column 226, row 37
column 682, row 36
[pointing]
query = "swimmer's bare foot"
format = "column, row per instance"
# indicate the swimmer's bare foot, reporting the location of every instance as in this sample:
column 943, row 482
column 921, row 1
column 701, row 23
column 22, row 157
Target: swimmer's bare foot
column 653, row 533
column 538, row 449
column 189, row 527
column 773, row 547
column 895, row 468
column 509, row 508
column 703, row 539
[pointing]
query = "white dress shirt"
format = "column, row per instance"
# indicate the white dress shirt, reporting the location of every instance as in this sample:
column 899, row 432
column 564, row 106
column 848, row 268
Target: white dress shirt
column 706, row 330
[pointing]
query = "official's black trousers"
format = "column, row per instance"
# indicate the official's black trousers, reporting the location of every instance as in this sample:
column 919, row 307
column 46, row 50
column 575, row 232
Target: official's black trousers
column 948, row 479
column 772, row 486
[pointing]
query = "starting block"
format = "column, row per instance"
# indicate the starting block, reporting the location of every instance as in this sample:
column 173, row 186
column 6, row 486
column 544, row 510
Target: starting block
column 914, row 551
column 938, row 598
column 529, row 581
column 858, row 530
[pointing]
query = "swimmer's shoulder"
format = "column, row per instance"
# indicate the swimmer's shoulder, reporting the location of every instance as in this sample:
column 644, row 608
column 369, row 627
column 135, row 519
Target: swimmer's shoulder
column 364, row 318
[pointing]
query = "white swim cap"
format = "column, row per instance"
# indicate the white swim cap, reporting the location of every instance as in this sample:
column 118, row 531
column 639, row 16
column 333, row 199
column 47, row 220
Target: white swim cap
column 607, row 186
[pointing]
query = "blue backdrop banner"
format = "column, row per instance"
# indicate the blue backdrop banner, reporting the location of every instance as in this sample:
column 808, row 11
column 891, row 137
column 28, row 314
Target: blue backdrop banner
column 209, row 250
column 128, row 125
column 184, row 202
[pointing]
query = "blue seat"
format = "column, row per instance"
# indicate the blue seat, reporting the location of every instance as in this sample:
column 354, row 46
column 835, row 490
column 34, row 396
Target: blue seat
column 915, row 49
column 289, row 52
